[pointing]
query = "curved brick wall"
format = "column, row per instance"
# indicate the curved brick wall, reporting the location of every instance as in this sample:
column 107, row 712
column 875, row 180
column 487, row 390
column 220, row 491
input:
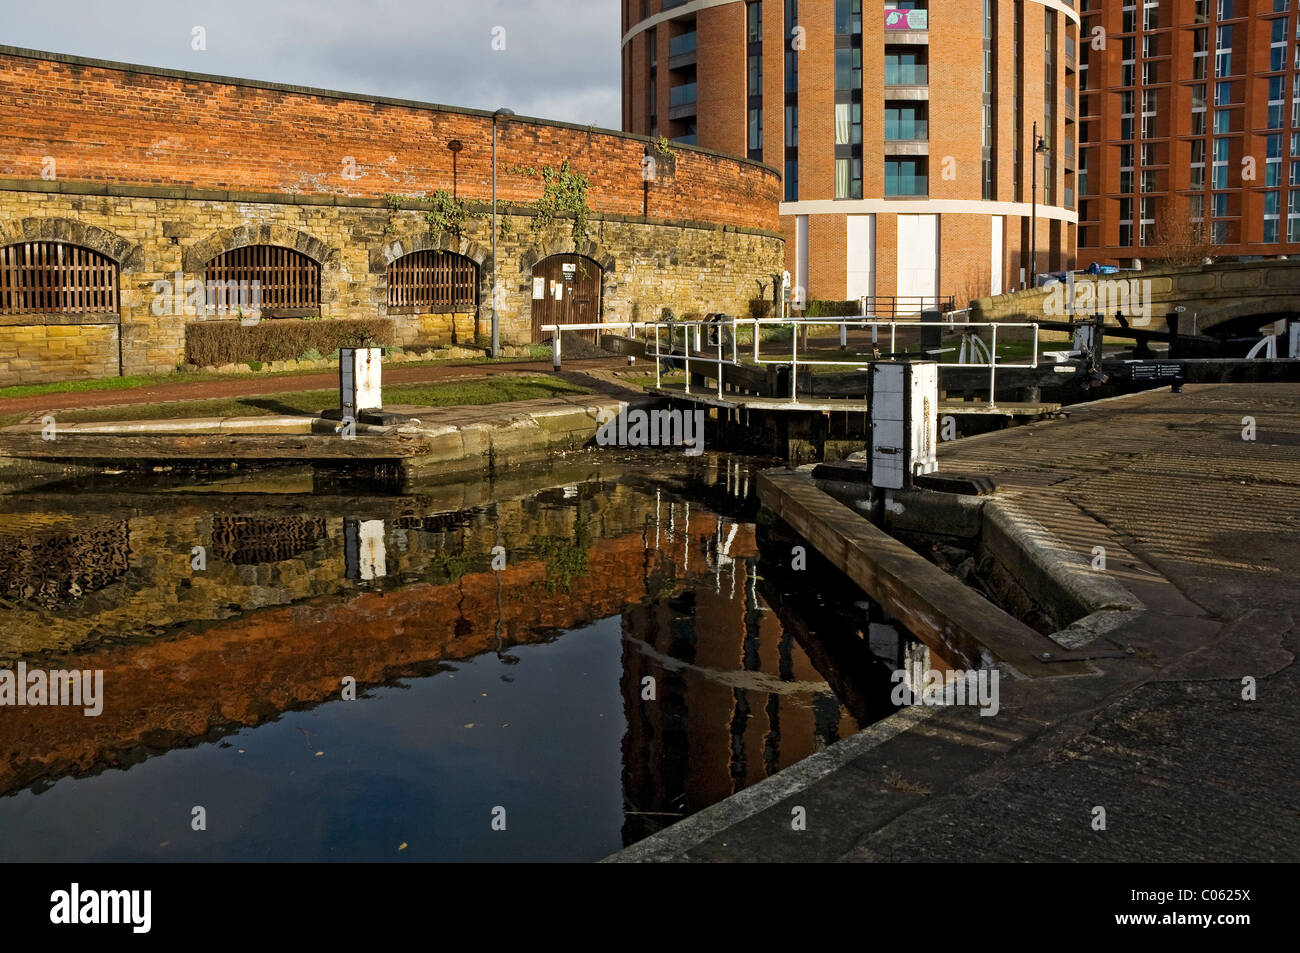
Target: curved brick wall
column 164, row 127
column 158, row 168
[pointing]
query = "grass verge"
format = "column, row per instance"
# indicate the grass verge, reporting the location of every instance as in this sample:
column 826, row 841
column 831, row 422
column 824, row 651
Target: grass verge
column 476, row 391
column 536, row 352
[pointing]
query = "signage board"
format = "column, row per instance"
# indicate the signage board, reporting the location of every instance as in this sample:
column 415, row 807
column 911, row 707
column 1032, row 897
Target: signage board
column 907, row 20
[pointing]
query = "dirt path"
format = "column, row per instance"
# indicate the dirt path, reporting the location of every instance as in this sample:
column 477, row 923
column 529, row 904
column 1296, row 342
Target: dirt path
column 250, row 386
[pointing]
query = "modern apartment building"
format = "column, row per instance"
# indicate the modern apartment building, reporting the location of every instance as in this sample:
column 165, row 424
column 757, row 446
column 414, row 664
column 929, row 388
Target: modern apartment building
column 903, row 128
column 1190, row 129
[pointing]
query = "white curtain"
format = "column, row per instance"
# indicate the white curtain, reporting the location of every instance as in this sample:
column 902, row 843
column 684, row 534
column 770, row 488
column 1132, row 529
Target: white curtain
column 841, row 178
column 842, row 124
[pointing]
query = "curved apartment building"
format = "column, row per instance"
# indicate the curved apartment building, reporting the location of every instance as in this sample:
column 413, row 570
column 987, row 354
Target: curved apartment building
column 904, row 133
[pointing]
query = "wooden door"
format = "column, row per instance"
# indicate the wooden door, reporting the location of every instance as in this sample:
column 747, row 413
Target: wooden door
column 566, row 290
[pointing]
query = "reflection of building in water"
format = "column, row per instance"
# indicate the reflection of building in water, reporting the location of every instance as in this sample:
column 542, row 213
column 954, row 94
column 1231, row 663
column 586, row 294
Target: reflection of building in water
column 246, row 540
column 173, row 688
column 736, row 698
column 388, row 590
column 50, row 560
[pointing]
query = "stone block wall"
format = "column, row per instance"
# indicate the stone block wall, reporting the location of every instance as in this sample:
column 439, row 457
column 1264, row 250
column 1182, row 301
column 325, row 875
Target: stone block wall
column 57, row 352
column 162, row 241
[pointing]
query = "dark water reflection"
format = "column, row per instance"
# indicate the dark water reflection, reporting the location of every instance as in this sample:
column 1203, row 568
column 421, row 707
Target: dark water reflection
column 643, row 654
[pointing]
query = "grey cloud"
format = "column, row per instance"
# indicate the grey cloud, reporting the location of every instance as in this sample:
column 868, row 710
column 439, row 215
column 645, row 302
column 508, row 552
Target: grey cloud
column 561, row 59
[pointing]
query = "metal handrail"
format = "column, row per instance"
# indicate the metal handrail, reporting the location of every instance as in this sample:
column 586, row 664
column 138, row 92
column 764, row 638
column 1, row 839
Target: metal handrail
column 948, row 322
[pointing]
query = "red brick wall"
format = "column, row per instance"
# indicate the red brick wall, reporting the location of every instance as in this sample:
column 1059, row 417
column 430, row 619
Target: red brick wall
column 720, row 71
column 104, row 124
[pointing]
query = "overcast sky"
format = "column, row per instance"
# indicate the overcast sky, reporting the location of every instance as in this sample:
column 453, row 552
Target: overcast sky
column 561, row 58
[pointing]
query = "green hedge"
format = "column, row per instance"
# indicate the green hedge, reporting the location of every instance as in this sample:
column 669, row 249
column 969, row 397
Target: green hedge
column 832, row 309
column 280, row 339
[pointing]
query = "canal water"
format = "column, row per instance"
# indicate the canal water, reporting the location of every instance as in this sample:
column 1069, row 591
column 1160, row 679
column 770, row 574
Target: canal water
column 550, row 665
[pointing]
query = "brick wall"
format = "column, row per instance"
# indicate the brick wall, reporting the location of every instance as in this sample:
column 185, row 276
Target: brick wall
column 162, row 173
column 955, row 50
column 117, row 125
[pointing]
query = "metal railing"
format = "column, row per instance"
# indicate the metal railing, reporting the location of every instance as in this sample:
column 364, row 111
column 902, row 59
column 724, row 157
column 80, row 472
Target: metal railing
column 879, row 306
column 952, row 322
column 973, row 353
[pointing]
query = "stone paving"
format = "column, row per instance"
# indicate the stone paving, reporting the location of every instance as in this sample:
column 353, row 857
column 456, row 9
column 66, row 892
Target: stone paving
column 1204, row 527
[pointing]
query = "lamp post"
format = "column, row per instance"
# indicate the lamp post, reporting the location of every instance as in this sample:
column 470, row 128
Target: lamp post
column 502, row 113
column 1040, row 149
column 454, row 147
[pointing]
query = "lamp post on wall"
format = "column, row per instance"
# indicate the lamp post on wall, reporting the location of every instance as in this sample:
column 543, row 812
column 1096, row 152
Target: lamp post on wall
column 1040, row 149
column 454, row 148
column 502, row 113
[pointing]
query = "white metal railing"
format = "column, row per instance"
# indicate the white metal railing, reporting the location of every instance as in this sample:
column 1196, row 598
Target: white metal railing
column 973, row 352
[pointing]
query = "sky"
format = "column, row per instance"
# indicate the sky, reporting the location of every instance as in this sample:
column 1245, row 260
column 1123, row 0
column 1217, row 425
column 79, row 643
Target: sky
column 560, row 59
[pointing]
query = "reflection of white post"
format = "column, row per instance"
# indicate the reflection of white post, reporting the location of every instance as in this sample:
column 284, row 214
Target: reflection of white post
column 657, row 492
column 364, row 550
column 373, row 554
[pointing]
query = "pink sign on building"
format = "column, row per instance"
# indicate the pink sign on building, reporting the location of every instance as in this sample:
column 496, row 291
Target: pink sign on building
column 907, row 20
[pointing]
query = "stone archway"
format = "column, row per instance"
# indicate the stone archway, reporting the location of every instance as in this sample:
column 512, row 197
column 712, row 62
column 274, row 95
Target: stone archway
column 568, row 290
column 566, row 246
column 384, row 255
column 387, row 253
column 196, row 257
column 128, row 255
column 1267, row 309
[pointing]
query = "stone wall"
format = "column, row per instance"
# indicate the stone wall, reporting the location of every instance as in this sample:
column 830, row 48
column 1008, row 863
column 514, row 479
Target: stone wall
column 161, row 171
column 1211, row 294
column 647, row 265
column 57, row 352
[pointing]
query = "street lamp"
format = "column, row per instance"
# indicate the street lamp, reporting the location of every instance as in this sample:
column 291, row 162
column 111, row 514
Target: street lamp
column 454, row 147
column 502, row 113
column 1040, row 149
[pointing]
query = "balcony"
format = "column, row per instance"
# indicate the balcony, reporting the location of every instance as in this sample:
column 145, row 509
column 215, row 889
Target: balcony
column 681, row 50
column 907, row 130
column 681, row 101
column 906, row 186
column 907, row 75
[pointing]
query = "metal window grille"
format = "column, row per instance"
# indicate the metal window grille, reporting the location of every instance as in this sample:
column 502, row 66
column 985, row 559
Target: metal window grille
column 289, row 281
column 432, row 281
column 53, row 277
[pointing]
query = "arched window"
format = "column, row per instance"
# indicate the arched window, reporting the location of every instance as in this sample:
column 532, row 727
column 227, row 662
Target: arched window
column 432, row 281
column 278, row 281
column 56, row 278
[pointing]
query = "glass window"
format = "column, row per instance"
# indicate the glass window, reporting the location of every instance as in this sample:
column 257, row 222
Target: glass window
column 848, row 17
column 848, row 68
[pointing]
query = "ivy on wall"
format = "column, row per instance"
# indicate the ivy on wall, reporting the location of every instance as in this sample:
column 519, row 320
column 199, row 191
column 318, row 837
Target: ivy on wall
column 444, row 213
column 564, row 193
